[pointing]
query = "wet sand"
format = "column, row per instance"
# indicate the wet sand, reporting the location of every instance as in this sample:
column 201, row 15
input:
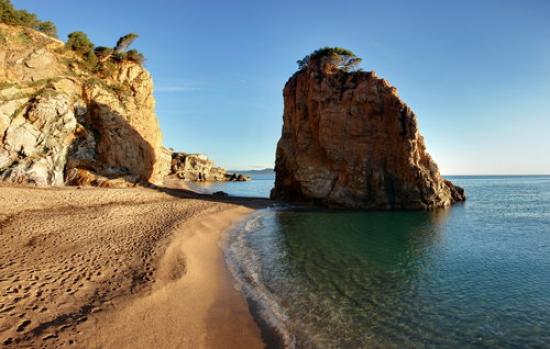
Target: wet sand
column 118, row 268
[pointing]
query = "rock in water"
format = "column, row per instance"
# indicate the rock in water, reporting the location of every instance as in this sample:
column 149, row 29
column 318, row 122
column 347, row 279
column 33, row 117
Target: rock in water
column 349, row 141
column 197, row 168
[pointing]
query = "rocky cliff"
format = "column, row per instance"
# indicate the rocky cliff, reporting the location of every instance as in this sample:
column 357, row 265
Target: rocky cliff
column 62, row 123
column 198, row 168
column 348, row 140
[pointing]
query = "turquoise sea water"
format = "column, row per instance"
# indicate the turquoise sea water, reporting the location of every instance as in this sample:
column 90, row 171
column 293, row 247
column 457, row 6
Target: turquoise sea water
column 473, row 276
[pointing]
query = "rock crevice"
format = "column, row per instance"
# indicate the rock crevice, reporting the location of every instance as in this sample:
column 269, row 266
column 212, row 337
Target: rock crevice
column 63, row 124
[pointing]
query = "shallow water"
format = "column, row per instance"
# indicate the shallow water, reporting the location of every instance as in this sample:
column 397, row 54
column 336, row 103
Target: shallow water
column 474, row 276
column 259, row 186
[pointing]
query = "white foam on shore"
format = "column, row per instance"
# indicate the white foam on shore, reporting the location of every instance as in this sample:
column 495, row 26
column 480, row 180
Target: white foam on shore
column 246, row 268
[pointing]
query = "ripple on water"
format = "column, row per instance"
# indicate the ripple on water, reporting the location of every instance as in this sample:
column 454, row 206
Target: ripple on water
column 470, row 277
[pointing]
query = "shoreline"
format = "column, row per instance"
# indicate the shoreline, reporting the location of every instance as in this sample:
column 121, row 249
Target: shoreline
column 267, row 317
column 193, row 302
column 120, row 268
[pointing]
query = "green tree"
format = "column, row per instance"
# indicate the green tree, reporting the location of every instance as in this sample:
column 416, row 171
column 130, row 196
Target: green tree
column 47, row 28
column 6, row 11
column 10, row 15
column 103, row 53
column 26, row 18
column 135, row 56
column 91, row 59
column 124, row 42
column 337, row 57
column 79, row 42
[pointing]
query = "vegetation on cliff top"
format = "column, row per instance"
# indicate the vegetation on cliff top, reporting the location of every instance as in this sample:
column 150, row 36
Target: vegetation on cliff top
column 101, row 59
column 97, row 59
column 336, row 57
column 79, row 42
column 124, row 42
column 10, row 15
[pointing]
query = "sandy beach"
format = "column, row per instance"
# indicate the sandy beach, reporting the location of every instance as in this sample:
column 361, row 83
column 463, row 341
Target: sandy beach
column 118, row 268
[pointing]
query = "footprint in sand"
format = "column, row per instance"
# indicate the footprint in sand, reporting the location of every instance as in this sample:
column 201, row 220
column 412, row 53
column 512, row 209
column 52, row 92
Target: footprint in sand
column 23, row 325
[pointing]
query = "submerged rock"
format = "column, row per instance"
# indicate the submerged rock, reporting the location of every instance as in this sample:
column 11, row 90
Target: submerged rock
column 220, row 194
column 348, row 140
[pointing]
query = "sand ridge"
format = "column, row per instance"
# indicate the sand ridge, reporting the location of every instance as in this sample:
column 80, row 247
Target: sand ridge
column 116, row 268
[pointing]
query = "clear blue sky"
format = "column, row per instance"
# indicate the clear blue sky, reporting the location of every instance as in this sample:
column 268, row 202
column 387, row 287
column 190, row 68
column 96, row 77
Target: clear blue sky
column 477, row 73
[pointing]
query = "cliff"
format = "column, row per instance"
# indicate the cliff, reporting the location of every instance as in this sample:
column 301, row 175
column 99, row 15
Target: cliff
column 198, row 168
column 61, row 123
column 348, row 140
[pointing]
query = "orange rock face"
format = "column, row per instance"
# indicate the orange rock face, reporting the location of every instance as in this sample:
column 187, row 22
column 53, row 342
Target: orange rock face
column 62, row 124
column 349, row 141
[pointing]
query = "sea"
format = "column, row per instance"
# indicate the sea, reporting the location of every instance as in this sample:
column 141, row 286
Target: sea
column 476, row 275
column 260, row 185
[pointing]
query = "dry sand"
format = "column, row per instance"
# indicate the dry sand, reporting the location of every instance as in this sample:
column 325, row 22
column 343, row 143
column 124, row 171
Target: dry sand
column 118, row 268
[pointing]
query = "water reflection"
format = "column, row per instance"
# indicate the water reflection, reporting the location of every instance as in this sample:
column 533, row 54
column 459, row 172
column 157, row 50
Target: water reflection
column 475, row 276
column 254, row 188
column 359, row 266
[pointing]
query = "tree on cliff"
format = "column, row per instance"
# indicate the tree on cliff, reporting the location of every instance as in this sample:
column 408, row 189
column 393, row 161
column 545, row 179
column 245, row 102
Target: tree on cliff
column 135, row 56
column 10, row 15
column 47, row 28
column 337, row 57
column 79, row 42
column 124, row 42
column 103, row 53
column 120, row 52
column 103, row 59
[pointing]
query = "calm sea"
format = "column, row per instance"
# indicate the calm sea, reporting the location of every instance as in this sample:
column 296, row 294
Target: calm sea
column 259, row 186
column 474, row 276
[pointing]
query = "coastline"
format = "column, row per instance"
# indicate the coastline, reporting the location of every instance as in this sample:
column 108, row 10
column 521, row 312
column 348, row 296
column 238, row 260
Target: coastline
column 193, row 303
column 265, row 310
column 148, row 271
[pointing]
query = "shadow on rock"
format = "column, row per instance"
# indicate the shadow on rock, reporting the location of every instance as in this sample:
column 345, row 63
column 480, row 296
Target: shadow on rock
column 108, row 151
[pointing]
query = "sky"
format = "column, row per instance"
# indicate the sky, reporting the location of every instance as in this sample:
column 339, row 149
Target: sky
column 476, row 73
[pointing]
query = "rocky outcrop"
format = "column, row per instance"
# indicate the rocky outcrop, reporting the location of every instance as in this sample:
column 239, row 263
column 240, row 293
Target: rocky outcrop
column 61, row 123
column 349, row 141
column 197, row 168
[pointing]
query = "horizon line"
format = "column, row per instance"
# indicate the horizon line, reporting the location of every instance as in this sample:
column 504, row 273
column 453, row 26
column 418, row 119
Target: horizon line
column 443, row 175
column 501, row 174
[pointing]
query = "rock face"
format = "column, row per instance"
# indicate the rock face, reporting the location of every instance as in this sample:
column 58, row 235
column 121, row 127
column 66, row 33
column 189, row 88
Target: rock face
column 349, row 141
column 61, row 124
column 197, row 168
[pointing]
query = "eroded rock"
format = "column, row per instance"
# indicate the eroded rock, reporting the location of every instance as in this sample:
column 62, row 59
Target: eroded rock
column 349, row 141
column 198, row 168
column 56, row 118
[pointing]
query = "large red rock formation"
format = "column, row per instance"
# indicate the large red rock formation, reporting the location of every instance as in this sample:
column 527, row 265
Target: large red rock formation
column 349, row 141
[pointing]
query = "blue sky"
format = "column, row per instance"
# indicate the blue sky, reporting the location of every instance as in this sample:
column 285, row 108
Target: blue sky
column 476, row 73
